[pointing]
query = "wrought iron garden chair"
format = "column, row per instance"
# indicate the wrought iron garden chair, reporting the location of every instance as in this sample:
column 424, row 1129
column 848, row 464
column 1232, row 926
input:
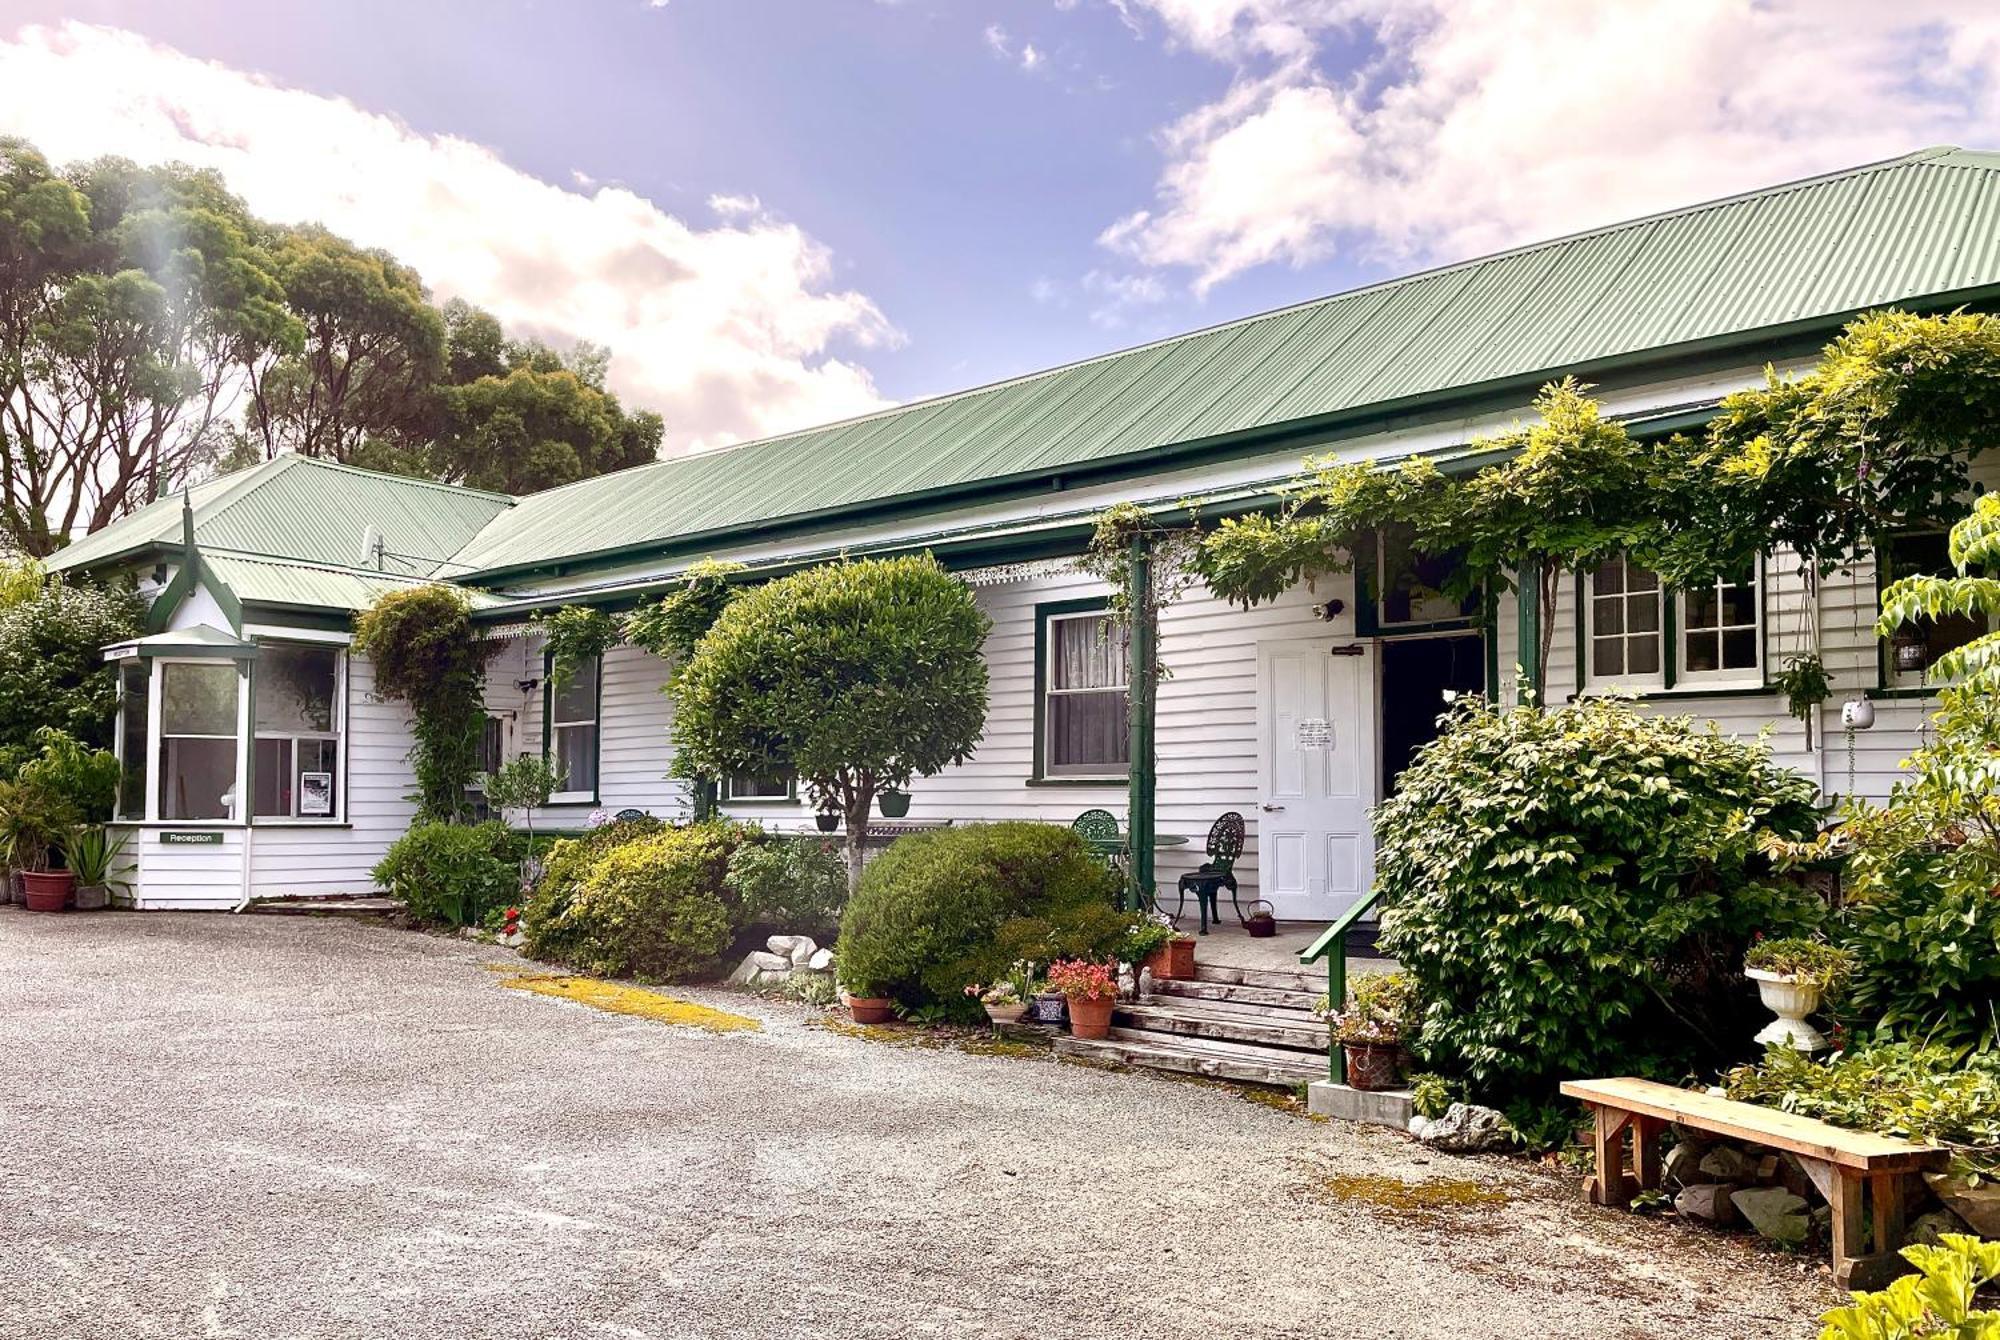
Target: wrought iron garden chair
column 1099, row 830
column 1225, row 844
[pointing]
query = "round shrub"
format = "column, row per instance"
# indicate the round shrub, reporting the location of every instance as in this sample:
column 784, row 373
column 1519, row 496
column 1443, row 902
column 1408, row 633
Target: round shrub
column 564, row 866
column 454, row 873
column 938, row 911
column 1572, row 890
column 647, row 907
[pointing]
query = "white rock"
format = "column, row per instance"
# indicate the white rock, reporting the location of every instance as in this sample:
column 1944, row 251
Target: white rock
column 1774, row 1212
column 782, row 944
column 821, row 961
column 1467, row 1128
column 1978, row 1206
column 1708, row 1202
column 803, row 951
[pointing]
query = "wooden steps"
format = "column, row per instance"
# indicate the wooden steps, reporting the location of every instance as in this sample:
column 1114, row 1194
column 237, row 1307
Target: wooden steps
column 1245, row 1025
column 327, row 905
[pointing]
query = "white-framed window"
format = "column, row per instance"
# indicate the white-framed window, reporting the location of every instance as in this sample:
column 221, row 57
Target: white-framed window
column 135, row 697
column 1640, row 635
column 1623, row 608
column 296, row 709
column 1082, row 682
column 573, row 732
column 760, row 786
column 200, row 730
column 1721, row 631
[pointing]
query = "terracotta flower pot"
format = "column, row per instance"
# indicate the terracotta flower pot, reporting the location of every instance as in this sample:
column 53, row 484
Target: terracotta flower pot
column 1373, row 1065
column 48, row 890
column 871, row 1009
column 1172, row 961
column 1007, row 1014
column 1090, row 1018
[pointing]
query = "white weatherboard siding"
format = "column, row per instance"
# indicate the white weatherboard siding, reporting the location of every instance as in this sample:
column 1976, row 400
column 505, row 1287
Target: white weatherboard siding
column 167, row 878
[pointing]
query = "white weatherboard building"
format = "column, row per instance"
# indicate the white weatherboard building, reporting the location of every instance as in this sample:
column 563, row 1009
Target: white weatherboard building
column 259, row 764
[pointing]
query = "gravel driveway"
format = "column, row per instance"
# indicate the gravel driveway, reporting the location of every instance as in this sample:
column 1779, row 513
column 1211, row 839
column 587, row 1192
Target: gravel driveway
column 264, row 1127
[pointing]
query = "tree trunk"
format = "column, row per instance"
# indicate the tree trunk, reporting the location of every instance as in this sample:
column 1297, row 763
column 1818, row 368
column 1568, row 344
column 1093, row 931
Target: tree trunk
column 860, row 798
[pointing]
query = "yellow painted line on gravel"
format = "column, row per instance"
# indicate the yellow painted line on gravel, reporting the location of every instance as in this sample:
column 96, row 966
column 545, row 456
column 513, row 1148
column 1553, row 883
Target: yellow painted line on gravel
column 615, row 998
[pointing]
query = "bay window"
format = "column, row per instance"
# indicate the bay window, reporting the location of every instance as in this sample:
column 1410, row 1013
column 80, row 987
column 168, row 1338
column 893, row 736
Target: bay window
column 199, row 730
column 296, row 703
column 1081, row 683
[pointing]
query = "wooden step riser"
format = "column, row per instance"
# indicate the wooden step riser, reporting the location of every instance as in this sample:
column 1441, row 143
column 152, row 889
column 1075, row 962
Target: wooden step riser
column 1231, row 1009
column 1276, row 1073
column 1305, row 1041
column 1237, row 994
column 1275, row 979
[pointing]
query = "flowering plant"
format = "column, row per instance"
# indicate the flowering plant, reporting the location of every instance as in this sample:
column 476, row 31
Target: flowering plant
column 1381, row 1010
column 1080, row 979
column 1015, row 988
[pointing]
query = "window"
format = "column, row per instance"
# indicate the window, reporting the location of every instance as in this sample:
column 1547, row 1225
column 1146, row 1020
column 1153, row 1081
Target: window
column 573, row 731
column 492, row 745
column 760, row 786
column 295, row 709
column 1720, row 637
column 1082, row 683
column 1623, row 618
column 1412, row 582
column 1914, row 648
column 135, row 696
column 198, row 733
column 1637, row 637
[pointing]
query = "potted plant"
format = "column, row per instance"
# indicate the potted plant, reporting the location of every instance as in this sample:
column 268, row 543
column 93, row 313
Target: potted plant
column 33, row 820
column 827, row 821
column 1154, row 945
column 90, row 853
column 1007, row 999
column 867, row 1003
column 895, row 802
column 1792, row 974
column 1371, row 1027
column 1091, row 990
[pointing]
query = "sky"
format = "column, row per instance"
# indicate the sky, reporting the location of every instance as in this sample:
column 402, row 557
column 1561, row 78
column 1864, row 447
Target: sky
column 781, row 212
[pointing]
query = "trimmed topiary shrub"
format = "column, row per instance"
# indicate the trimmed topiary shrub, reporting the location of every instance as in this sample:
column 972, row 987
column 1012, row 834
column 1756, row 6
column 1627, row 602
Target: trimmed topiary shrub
column 1573, row 890
column 647, row 906
column 939, row 911
column 452, row 873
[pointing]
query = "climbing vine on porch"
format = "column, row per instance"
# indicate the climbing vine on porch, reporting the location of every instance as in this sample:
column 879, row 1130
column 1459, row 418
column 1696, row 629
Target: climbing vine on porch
column 1170, row 572
column 574, row 636
column 426, row 653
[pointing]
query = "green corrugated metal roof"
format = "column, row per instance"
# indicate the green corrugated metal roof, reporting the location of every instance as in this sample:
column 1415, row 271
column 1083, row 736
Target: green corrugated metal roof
column 302, row 508
column 1912, row 228
column 256, row 580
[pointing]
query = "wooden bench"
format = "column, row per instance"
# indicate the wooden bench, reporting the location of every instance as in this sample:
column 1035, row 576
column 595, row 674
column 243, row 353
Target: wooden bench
column 1841, row 1163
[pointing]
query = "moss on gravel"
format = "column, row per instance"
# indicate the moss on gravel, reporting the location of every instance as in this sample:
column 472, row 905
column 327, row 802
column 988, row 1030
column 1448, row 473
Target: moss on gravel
column 617, row 998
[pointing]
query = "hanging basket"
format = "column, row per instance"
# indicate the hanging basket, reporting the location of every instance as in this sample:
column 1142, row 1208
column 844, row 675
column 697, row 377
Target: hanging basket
column 1261, row 920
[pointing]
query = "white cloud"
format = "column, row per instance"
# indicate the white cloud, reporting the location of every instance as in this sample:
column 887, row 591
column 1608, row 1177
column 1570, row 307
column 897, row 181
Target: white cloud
column 1465, row 127
column 730, row 332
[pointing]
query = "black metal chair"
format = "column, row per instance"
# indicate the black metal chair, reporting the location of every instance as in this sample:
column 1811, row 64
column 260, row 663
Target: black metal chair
column 1099, row 830
column 1225, row 844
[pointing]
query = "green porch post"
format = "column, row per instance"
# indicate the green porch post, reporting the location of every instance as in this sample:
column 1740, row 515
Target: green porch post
column 1139, row 714
column 1528, row 620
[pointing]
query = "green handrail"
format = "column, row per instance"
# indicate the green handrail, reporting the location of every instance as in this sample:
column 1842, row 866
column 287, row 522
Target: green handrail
column 1332, row 946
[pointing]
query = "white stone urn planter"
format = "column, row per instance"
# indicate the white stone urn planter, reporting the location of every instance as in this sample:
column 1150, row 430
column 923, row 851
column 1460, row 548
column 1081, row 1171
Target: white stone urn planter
column 1007, row 1014
column 1791, row 999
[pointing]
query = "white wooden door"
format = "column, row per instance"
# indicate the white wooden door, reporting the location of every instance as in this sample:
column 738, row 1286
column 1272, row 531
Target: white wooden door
column 1316, row 729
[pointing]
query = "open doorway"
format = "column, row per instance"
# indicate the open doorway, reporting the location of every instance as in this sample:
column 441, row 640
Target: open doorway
column 1417, row 673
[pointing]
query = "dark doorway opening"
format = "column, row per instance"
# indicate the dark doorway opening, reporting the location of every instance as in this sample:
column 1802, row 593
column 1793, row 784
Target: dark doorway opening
column 1417, row 672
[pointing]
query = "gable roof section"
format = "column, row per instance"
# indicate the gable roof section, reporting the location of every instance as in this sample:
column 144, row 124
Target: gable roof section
column 301, row 508
column 1805, row 255
column 262, row 583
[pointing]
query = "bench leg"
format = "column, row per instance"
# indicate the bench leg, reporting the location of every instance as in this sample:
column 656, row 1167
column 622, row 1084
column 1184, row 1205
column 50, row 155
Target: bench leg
column 1610, row 1186
column 1849, row 1224
column 1885, row 1190
column 1646, row 1151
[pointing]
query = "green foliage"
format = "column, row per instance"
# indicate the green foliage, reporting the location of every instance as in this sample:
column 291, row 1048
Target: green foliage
column 82, row 780
column 563, row 870
column 857, row 676
column 648, row 907
column 1574, row 491
column 1875, row 438
column 1543, row 1125
column 537, row 427
column 1170, row 557
column 451, row 873
column 938, row 911
column 523, row 783
column 1572, row 891
column 1805, row 957
column 1431, row 1095
column 52, row 667
column 1975, row 544
column 426, row 653
column 1804, row 683
column 90, row 855
column 1144, row 938
column 672, row 627
column 794, row 885
column 1939, row 1301
column 1902, row 1089
column 573, row 636
column 21, row 580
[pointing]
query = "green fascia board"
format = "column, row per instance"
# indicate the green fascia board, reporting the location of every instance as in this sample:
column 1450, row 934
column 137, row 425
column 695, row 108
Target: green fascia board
column 1653, row 293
